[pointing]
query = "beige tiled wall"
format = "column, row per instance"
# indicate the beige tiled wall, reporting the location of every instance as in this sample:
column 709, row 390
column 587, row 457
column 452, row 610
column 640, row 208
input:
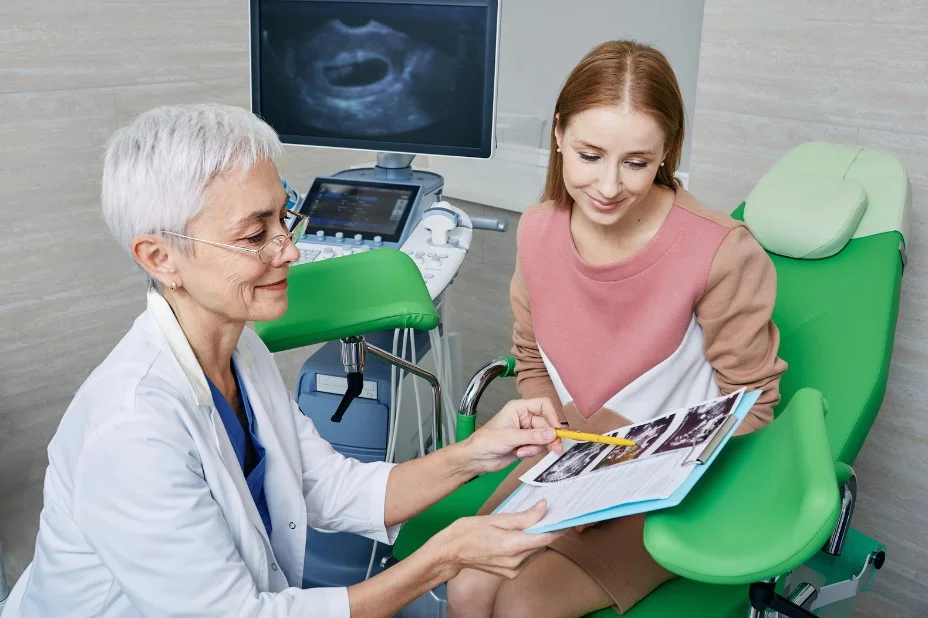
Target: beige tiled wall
column 776, row 74
column 71, row 72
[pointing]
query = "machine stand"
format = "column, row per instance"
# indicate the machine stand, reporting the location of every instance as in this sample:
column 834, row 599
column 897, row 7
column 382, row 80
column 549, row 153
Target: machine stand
column 394, row 166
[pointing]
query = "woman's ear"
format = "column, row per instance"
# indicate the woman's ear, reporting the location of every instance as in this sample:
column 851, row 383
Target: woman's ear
column 153, row 256
column 558, row 131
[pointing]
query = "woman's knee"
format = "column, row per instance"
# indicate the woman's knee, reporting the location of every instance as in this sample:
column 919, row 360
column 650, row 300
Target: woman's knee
column 519, row 598
column 472, row 593
column 538, row 591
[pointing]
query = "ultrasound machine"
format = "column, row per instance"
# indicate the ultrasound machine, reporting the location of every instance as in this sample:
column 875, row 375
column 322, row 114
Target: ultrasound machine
column 399, row 79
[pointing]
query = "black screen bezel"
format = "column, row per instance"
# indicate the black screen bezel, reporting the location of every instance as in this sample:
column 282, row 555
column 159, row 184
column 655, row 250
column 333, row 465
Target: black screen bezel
column 484, row 151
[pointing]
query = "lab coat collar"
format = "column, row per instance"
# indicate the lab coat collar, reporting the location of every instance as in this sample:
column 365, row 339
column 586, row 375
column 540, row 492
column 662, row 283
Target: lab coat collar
column 170, row 327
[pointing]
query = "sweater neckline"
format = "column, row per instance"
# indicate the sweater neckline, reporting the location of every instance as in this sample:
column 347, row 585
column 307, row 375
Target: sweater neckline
column 641, row 260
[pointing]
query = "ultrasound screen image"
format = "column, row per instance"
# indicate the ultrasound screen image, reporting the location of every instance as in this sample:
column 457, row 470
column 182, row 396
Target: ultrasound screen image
column 370, row 71
column 359, row 209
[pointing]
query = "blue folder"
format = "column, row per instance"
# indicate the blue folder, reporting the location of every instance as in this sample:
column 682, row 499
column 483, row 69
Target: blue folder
column 644, row 506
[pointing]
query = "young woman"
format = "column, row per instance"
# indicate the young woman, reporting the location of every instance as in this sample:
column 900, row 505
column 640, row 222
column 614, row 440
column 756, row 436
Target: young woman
column 630, row 299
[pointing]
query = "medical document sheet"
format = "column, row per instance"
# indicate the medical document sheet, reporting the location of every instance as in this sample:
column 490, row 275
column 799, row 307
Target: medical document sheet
column 588, row 476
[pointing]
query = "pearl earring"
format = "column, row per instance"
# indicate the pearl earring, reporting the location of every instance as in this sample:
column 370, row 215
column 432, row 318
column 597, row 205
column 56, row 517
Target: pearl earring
column 662, row 164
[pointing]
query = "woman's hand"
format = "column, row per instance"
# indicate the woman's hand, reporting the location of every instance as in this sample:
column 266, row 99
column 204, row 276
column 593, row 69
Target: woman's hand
column 523, row 428
column 492, row 543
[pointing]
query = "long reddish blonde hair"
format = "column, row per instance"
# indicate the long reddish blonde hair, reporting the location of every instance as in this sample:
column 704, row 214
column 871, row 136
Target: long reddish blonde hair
column 620, row 73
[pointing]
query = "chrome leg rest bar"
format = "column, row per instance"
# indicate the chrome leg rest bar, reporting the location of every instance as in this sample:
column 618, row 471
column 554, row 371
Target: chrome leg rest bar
column 354, row 353
column 503, row 366
column 848, row 500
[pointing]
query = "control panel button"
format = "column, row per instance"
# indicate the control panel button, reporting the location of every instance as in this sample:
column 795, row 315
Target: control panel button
column 358, row 239
column 339, row 237
column 320, row 235
column 378, row 241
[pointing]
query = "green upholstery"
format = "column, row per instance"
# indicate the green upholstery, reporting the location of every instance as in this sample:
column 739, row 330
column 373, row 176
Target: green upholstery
column 352, row 295
column 837, row 320
column 777, row 483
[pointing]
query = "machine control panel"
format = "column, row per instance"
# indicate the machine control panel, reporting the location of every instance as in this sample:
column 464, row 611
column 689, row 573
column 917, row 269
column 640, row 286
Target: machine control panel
column 347, row 216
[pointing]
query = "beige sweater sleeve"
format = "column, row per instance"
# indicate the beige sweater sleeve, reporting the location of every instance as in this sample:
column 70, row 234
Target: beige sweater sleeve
column 741, row 339
column 532, row 379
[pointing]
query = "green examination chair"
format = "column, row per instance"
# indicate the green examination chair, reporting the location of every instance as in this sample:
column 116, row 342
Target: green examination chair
column 768, row 526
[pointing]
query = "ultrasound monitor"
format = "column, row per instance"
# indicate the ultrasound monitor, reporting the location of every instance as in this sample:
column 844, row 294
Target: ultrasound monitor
column 396, row 76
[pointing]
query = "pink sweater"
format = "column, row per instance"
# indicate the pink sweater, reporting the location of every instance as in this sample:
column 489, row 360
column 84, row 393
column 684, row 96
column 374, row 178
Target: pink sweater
column 686, row 318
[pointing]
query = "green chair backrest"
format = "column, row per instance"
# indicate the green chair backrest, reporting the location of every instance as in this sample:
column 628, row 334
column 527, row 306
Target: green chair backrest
column 837, row 315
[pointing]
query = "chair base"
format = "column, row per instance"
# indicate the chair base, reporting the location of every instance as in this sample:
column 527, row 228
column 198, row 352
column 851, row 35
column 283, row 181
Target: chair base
column 826, row 586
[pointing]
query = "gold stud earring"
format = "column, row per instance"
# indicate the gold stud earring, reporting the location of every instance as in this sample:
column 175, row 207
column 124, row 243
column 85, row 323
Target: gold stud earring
column 173, row 287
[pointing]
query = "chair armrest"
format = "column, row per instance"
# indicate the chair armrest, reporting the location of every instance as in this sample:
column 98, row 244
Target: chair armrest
column 767, row 505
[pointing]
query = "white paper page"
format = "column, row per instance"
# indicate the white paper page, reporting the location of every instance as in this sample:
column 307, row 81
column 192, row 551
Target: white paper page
column 589, row 476
column 686, row 429
column 654, row 478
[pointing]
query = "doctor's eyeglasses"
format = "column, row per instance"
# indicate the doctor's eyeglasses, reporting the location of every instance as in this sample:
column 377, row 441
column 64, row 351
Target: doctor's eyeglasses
column 269, row 251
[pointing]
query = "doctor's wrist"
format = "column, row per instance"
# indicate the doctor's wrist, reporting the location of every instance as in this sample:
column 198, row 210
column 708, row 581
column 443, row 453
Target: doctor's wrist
column 441, row 554
column 463, row 462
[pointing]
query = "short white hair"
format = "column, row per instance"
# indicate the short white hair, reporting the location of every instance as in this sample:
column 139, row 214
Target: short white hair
column 156, row 169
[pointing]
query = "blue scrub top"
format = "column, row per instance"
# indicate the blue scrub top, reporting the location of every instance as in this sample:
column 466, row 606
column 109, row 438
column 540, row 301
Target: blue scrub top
column 239, row 439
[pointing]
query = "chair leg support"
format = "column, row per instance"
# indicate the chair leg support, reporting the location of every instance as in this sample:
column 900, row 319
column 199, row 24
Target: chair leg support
column 848, row 499
column 764, row 597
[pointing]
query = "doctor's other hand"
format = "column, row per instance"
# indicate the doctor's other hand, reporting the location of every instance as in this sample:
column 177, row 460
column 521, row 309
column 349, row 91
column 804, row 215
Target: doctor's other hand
column 523, row 428
column 493, row 544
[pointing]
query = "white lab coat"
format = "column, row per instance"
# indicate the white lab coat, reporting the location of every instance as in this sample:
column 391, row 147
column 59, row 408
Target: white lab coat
column 146, row 510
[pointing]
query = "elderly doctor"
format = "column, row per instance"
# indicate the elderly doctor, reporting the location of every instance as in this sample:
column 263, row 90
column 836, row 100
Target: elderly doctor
column 183, row 476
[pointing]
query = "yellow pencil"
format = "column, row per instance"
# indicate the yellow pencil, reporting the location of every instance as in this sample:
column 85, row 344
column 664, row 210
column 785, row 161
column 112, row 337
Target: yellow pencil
column 592, row 437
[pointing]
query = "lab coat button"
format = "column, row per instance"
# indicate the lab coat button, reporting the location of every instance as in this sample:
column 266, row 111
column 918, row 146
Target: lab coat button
column 292, row 526
column 273, row 567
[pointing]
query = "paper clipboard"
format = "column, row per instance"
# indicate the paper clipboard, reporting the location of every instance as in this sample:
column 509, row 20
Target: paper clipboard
column 699, row 463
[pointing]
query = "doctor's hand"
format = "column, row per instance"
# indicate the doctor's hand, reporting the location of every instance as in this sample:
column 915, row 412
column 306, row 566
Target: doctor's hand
column 492, row 543
column 523, row 428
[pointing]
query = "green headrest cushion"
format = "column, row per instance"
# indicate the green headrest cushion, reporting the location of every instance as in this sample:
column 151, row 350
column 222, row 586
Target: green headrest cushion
column 804, row 216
